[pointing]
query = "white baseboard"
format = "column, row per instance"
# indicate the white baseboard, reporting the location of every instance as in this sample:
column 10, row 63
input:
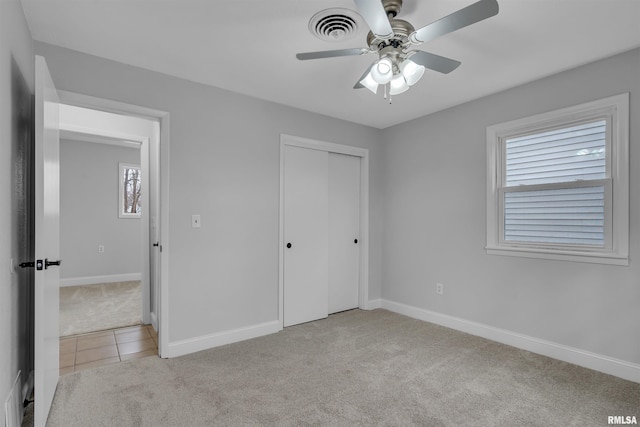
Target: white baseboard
column 619, row 368
column 373, row 304
column 191, row 345
column 94, row 280
column 154, row 321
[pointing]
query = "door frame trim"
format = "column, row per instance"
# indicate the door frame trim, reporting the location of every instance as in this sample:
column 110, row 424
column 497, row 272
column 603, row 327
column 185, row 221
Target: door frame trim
column 330, row 147
column 162, row 117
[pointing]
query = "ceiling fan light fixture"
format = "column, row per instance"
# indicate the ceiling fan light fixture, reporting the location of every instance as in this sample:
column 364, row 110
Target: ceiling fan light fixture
column 370, row 83
column 391, row 39
column 382, row 71
column 398, row 85
column 384, row 66
column 411, row 71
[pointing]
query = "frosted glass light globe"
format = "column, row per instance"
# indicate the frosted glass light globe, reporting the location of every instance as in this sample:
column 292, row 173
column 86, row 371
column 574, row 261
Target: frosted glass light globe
column 398, row 85
column 370, row 83
column 411, row 71
column 382, row 71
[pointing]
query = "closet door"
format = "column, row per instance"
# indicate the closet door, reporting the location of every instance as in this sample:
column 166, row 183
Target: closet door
column 344, row 231
column 306, row 235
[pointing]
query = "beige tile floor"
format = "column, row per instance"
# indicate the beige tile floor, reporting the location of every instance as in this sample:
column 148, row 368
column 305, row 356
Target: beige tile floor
column 104, row 348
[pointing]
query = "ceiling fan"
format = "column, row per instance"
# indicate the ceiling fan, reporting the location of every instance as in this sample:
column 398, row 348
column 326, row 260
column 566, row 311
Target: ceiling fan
column 398, row 67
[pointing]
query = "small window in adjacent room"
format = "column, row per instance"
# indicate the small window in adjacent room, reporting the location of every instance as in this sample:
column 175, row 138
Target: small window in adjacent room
column 129, row 185
column 558, row 184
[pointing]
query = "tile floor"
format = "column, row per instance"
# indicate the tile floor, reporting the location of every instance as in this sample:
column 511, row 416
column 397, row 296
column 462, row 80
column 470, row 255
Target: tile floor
column 104, row 348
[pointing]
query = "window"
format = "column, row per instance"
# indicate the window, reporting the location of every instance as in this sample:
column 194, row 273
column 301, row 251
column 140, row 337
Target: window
column 558, row 184
column 129, row 185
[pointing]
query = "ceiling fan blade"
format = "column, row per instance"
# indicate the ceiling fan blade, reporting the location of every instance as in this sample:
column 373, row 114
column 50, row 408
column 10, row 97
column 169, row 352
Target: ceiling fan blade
column 376, row 18
column 466, row 16
column 331, row 53
column 434, row 62
column 358, row 84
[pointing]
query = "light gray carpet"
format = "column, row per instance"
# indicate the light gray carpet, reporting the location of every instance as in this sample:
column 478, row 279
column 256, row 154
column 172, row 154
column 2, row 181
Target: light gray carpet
column 354, row 368
column 92, row 308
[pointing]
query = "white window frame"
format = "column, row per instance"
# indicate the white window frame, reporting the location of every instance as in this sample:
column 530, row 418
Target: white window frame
column 615, row 110
column 121, row 212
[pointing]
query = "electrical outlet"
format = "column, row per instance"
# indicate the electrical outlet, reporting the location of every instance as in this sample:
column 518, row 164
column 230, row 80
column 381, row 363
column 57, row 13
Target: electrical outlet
column 100, row 249
column 439, row 289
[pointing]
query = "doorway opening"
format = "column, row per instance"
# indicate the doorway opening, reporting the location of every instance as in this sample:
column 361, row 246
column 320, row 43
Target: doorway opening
column 117, row 259
column 101, row 276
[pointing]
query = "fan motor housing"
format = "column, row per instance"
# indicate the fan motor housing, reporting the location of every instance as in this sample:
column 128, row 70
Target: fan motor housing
column 392, row 7
column 401, row 31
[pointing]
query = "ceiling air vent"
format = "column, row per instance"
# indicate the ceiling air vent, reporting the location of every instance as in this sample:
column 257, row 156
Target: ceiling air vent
column 335, row 24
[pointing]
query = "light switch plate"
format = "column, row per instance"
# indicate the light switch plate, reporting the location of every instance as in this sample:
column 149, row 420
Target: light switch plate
column 195, row 221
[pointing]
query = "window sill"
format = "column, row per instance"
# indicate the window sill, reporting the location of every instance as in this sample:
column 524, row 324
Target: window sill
column 129, row 216
column 559, row 255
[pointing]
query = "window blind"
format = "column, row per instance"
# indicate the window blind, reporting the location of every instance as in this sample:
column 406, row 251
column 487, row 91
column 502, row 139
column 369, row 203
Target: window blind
column 560, row 155
column 573, row 215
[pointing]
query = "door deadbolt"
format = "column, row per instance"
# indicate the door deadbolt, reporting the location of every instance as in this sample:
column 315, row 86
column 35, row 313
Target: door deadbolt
column 38, row 264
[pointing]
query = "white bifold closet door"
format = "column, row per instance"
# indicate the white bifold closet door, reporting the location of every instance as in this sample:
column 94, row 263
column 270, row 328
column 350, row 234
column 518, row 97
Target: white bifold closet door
column 321, row 232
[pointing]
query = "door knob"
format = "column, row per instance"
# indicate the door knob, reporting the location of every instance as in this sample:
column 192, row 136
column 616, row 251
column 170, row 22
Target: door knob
column 288, row 245
column 355, row 241
column 48, row 263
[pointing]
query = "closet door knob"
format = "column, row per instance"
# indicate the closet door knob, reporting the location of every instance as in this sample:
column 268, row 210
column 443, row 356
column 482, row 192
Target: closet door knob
column 288, row 245
column 355, row 241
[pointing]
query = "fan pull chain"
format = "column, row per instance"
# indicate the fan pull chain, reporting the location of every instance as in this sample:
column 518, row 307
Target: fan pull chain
column 387, row 88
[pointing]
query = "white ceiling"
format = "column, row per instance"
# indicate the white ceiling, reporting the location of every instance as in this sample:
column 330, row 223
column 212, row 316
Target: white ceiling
column 249, row 46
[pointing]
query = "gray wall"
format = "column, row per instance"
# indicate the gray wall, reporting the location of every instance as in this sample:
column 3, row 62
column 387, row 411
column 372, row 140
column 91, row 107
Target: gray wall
column 16, row 72
column 431, row 175
column 89, row 212
column 224, row 165
column 434, row 223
